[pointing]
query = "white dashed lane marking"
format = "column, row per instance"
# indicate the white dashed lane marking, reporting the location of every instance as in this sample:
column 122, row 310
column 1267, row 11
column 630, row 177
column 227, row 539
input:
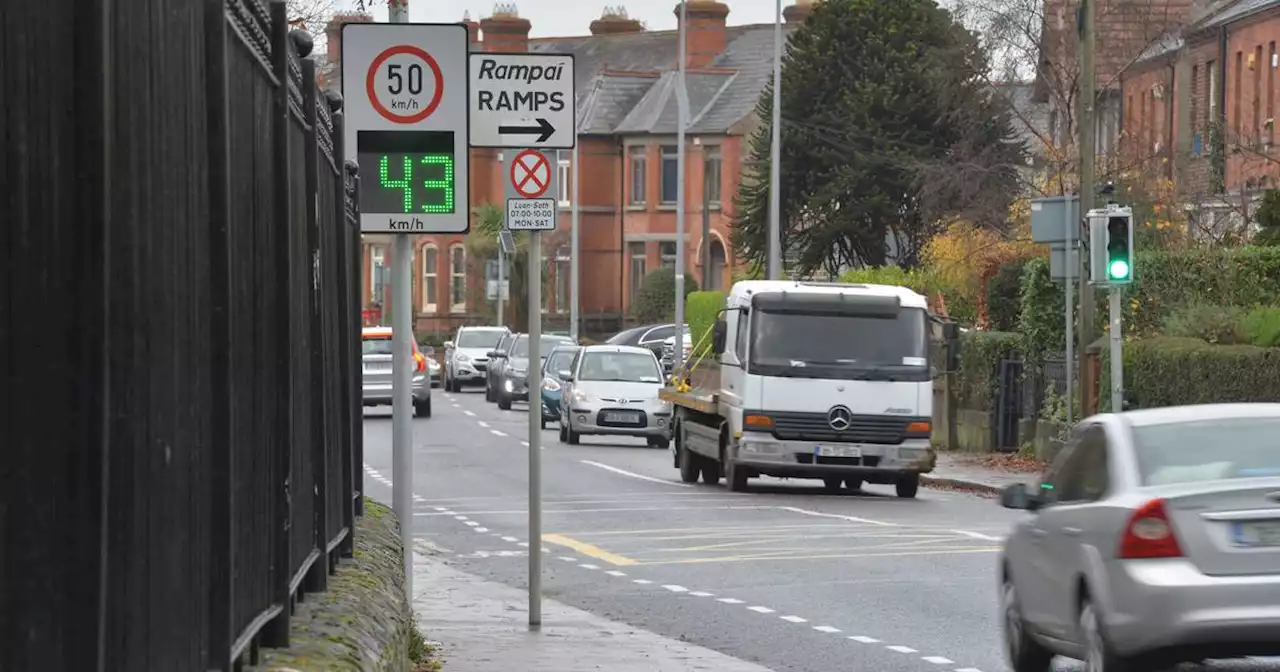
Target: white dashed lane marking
column 826, row 628
column 901, row 649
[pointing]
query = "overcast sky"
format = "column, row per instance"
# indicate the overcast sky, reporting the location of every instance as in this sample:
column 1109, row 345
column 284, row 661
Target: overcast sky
column 556, row 18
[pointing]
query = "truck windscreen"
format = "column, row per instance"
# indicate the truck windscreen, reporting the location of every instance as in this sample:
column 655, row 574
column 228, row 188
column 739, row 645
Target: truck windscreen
column 831, row 345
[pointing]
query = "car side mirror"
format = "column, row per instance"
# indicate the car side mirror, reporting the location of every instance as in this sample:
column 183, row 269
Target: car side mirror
column 492, row 354
column 1017, row 496
column 566, row 376
column 718, row 336
column 448, row 345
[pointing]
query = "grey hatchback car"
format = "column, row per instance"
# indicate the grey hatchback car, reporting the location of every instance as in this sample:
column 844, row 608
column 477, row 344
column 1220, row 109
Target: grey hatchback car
column 376, row 379
column 1154, row 540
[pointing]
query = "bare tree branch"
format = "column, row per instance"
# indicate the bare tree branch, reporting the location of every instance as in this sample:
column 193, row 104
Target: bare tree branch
column 309, row 15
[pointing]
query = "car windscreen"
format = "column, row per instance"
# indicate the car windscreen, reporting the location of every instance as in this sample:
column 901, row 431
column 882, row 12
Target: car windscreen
column 1207, row 450
column 560, row 360
column 630, row 367
column 479, row 338
column 521, row 347
column 376, row 345
column 835, row 345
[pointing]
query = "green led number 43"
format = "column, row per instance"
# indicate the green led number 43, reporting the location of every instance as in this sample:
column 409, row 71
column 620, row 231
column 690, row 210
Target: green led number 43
column 407, row 185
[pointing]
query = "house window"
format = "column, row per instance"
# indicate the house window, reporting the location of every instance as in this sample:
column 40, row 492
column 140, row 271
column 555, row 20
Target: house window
column 638, row 170
column 377, row 273
column 1271, row 66
column 1258, row 65
column 637, row 253
column 457, row 279
column 564, row 276
column 667, row 252
column 565, row 177
column 1195, row 100
column 670, row 174
column 717, row 265
column 711, row 165
column 430, row 278
column 1211, row 70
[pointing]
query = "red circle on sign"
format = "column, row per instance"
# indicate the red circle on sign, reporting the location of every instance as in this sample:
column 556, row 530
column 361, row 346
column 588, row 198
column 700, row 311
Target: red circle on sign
column 529, row 174
column 371, row 77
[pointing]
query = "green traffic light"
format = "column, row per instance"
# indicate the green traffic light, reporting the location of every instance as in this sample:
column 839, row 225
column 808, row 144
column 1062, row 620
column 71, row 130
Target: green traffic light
column 1118, row 269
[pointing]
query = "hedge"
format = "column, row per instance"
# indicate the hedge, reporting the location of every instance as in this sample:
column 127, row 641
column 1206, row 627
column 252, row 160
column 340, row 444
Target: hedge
column 700, row 309
column 980, row 355
column 1164, row 282
column 920, row 281
column 1176, row 371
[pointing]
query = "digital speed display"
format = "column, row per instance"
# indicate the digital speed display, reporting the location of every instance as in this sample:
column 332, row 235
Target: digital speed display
column 407, row 173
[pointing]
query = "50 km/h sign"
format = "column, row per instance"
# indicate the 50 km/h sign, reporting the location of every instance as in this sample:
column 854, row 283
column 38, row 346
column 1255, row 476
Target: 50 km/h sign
column 406, row 90
column 522, row 100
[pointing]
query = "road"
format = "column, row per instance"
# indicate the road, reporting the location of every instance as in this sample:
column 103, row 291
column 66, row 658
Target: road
column 786, row 575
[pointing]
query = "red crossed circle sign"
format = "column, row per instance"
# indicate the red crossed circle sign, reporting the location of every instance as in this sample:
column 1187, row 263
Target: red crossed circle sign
column 396, row 74
column 530, row 173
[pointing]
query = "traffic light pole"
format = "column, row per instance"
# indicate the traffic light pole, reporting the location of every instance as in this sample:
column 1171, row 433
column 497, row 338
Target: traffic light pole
column 1117, row 351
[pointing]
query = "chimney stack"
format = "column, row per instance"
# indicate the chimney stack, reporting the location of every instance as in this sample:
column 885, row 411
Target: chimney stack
column 798, row 12
column 706, row 35
column 505, row 30
column 614, row 20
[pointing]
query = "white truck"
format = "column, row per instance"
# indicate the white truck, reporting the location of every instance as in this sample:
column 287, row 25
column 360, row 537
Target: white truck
column 815, row 380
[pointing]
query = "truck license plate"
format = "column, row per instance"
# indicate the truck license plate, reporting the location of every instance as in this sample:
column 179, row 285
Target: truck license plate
column 1256, row 533
column 837, row 451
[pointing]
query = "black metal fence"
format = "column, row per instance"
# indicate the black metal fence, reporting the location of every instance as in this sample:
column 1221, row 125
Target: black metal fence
column 180, row 456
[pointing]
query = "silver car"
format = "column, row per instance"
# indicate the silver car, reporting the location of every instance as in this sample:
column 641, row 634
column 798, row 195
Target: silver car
column 376, row 362
column 613, row 390
column 466, row 357
column 1154, row 539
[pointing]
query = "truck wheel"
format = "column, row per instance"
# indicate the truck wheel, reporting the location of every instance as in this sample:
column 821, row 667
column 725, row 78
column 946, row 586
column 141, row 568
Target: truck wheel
column 735, row 477
column 691, row 466
column 710, row 471
column 832, row 484
column 907, row 486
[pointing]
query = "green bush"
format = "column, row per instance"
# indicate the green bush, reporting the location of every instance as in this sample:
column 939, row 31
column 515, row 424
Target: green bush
column 980, row 355
column 1220, row 325
column 921, row 281
column 700, row 309
column 1004, row 296
column 1262, row 326
column 1041, row 321
column 1167, row 281
column 656, row 300
column 1174, row 371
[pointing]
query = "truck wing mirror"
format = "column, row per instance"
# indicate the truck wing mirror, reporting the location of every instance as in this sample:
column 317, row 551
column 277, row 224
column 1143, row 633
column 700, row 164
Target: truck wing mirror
column 718, row 336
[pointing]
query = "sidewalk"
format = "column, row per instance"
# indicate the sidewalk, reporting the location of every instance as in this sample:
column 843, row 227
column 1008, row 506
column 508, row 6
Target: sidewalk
column 987, row 474
column 482, row 626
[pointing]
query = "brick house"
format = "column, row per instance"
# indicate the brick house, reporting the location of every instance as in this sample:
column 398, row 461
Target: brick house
column 1124, row 29
column 627, row 115
column 1200, row 107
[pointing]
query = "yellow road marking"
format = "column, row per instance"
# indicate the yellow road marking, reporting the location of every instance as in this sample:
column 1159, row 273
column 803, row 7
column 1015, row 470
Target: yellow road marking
column 758, row 558
column 684, row 532
column 588, row 550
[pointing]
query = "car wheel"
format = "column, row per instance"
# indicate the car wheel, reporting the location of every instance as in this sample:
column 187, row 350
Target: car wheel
column 853, row 483
column 542, row 422
column 832, row 484
column 422, row 409
column 1024, row 652
column 564, row 434
column 488, row 392
column 574, row 437
column 1099, row 656
column 907, row 486
column 691, row 466
column 504, row 401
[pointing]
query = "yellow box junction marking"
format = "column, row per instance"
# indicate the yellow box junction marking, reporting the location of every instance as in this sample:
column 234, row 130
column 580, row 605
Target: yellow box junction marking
column 588, row 550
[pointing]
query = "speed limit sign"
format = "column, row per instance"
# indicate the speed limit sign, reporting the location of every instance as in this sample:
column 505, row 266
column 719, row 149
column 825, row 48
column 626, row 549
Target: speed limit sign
column 406, row 96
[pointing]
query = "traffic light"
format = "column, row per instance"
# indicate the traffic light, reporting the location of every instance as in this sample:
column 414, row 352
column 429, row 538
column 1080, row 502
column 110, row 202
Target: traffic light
column 1120, row 248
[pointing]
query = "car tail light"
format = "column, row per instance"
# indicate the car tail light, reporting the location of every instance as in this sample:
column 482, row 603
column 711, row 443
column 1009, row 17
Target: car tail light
column 1149, row 534
column 420, row 361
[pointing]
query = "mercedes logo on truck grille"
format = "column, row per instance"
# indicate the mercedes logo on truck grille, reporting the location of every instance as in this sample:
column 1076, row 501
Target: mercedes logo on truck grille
column 839, row 418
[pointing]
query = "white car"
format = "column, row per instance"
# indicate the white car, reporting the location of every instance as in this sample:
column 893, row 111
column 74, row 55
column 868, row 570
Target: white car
column 613, row 390
column 466, row 357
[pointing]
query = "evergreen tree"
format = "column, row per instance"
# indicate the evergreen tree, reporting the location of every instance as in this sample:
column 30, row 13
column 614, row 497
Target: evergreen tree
column 889, row 128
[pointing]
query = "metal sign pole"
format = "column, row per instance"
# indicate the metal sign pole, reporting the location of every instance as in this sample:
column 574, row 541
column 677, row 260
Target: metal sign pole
column 534, row 282
column 502, row 274
column 682, row 95
column 1117, row 352
column 1068, row 310
column 402, row 383
column 575, row 270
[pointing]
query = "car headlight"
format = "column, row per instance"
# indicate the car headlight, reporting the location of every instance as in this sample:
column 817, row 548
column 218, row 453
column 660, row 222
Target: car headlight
column 461, row 357
column 580, row 396
column 550, row 384
column 517, row 373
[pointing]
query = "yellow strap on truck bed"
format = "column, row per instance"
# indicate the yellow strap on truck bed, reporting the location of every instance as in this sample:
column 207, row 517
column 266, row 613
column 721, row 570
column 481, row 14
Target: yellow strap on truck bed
column 698, row 400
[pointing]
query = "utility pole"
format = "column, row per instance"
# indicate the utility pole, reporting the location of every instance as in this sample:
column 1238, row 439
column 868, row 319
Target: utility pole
column 774, row 268
column 1088, row 155
column 682, row 98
